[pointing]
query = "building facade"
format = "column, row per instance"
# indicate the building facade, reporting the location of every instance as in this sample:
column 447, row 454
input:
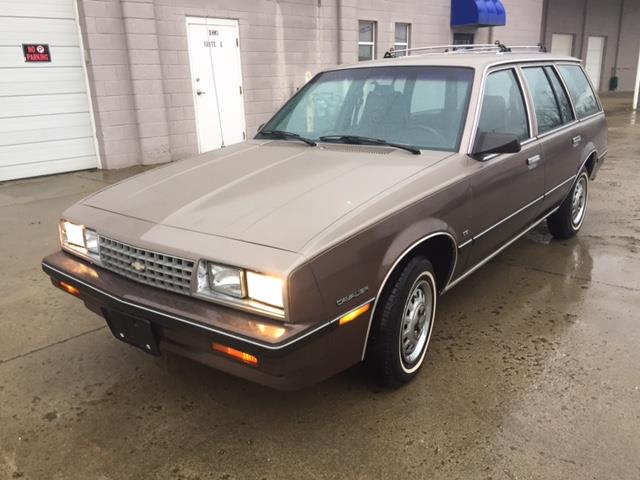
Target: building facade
column 144, row 80
column 115, row 83
column 149, row 81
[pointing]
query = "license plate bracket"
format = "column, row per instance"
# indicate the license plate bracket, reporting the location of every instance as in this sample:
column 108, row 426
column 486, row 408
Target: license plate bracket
column 134, row 331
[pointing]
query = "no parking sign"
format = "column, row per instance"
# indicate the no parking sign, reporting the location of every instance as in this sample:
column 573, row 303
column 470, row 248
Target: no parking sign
column 36, row 52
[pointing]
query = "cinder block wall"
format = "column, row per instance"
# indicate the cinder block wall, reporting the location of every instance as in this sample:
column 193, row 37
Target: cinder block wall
column 629, row 45
column 601, row 19
column 139, row 72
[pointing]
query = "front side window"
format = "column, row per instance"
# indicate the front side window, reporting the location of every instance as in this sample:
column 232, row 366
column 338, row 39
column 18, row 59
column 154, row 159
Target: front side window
column 403, row 32
column 503, row 107
column 544, row 101
column 366, row 40
column 583, row 97
column 424, row 107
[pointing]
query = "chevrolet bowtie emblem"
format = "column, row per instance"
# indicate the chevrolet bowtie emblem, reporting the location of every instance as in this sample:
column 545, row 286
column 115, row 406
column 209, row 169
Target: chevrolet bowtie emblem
column 138, row 266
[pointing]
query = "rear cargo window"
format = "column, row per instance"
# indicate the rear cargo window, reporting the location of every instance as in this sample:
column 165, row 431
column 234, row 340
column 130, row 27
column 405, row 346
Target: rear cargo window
column 583, row 97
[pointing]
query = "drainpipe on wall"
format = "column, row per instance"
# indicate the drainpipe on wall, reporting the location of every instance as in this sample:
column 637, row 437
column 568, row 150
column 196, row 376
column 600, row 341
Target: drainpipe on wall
column 583, row 53
column 614, row 73
column 636, row 92
column 543, row 24
column 339, row 31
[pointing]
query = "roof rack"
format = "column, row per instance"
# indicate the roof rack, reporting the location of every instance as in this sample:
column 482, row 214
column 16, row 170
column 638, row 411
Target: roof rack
column 496, row 47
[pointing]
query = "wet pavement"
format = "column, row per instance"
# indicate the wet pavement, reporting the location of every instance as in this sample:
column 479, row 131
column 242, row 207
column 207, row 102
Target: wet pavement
column 533, row 371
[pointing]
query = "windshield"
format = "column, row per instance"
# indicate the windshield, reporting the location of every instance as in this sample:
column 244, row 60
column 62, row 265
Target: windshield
column 423, row 107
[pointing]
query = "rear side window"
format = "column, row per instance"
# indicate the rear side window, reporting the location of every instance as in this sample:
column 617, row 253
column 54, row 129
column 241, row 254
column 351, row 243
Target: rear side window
column 503, row 109
column 561, row 95
column 583, row 98
column 544, row 100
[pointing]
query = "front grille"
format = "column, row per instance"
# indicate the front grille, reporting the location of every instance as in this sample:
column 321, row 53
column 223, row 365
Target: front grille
column 144, row 266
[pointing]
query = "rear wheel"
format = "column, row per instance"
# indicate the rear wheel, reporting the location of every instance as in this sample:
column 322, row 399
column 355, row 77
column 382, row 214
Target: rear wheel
column 402, row 329
column 566, row 222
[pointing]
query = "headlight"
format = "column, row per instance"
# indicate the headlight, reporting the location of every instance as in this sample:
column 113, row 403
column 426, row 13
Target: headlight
column 226, row 280
column 265, row 289
column 72, row 234
column 248, row 287
column 79, row 239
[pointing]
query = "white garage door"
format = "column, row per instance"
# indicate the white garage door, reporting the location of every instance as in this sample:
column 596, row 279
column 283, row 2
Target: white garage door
column 45, row 118
column 562, row 44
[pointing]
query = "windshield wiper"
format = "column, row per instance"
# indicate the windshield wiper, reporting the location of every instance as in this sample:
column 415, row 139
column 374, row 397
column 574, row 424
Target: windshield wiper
column 358, row 140
column 281, row 134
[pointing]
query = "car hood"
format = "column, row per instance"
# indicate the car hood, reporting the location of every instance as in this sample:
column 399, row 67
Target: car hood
column 279, row 194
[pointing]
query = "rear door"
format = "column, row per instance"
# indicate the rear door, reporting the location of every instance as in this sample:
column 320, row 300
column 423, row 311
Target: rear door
column 507, row 189
column 558, row 131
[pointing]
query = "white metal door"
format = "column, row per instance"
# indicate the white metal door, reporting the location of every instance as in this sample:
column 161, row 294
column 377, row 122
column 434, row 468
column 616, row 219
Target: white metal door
column 562, row 44
column 46, row 123
column 595, row 54
column 216, row 75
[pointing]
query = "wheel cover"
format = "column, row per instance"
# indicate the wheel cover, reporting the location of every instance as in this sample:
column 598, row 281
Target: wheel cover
column 579, row 201
column 417, row 318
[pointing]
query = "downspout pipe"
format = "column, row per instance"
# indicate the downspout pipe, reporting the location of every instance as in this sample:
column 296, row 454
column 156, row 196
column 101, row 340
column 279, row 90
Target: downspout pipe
column 583, row 39
column 617, row 56
column 339, row 31
column 636, row 91
column 543, row 24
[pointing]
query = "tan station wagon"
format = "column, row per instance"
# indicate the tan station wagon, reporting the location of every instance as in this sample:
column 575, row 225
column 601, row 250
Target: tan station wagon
column 326, row 240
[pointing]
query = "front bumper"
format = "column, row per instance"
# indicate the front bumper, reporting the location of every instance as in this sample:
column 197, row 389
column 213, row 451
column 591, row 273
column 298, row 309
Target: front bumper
column 296, row 355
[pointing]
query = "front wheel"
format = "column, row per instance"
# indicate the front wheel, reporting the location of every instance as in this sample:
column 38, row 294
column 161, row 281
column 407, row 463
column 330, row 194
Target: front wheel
column 566, row 222
column 403, row 328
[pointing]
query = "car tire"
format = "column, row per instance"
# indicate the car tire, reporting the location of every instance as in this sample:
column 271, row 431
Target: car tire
column 403, row 327
column 567, row 220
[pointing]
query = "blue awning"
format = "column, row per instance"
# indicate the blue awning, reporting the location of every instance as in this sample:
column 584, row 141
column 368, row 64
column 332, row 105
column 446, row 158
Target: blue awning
column 477, row 13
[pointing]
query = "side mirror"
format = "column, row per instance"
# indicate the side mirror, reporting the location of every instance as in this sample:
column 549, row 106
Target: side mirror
column 488, row 143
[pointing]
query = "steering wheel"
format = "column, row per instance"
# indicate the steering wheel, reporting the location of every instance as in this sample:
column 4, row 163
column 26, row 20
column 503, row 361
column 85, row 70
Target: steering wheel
column 422, row 129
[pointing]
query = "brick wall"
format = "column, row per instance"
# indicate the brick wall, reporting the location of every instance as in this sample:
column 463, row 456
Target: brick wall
column 138, row 60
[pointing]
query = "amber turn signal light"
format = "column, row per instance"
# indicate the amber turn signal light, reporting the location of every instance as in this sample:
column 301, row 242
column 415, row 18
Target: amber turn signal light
column 353, row 314
column 69, row 288
column 236, row 354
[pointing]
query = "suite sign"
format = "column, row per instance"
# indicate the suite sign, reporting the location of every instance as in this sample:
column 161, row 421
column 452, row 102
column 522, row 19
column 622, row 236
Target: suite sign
column 36, row 52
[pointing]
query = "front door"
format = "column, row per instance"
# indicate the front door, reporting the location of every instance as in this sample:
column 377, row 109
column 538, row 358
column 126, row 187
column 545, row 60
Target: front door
column 593, row 64
column 216, row 77
column 507, row 189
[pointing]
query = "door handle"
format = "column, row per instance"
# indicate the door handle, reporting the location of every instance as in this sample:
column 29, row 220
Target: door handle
column 534, row 161
column 575, row 141
column 200, row 92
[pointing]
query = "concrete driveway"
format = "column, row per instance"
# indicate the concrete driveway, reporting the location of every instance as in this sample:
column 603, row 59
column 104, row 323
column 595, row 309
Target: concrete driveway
column 533, row 371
